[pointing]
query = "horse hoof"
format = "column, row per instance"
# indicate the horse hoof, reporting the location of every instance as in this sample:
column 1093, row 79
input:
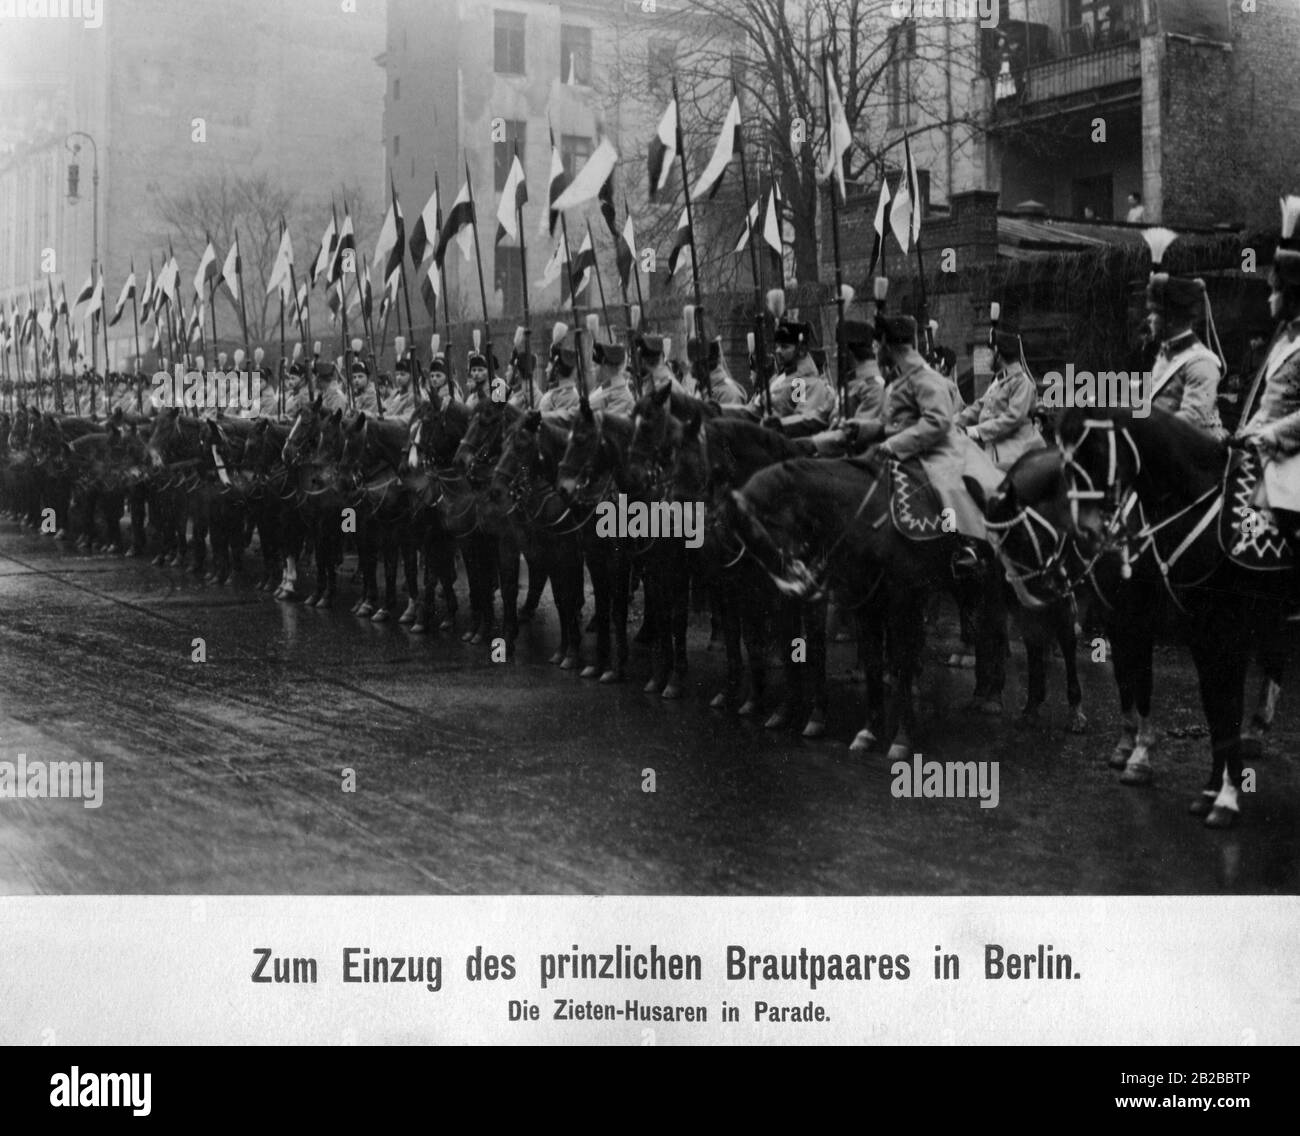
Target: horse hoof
column 672, row 691
column 466, row 636
column 1078, row 723
column 448, row 624
column 408, row 616
column 1119, row 757
column 382, row 615
column 418, row 629
column 1137, row 775
column 158, row 561
column 478, row 638
column 748, row 708
column 1202, row 805
column 1220, row 817
column 569, row 662
column 862, row 742
column 590, row 671
column 651, row 687
column 814, row 729
column 718, row 701
column 610, row 677
column 365, row 610
column 779, row 720
column 898, row 752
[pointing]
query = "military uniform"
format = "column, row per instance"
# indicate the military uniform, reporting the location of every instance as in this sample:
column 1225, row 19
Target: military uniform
column 724, row 390
column 1273, row 406
column 808, row 414
column 400, row 406
column 332, row 398
column 919, row 421
column 866, row 391
column 477, row 394
column 1002, row 418
column 562, row 400
column 1185, row 382
column 615, row 397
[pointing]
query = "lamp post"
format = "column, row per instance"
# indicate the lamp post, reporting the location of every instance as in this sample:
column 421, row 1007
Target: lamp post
column 74, row 148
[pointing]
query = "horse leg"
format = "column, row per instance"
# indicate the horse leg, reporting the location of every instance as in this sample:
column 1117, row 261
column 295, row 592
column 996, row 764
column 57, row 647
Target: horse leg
column 536, row 585
column 871, row 650
column 1033, row 630
column 992, row 644
column 599, row 563
column 793, row 650
column 1273, row 654
column 1219, row 650
column 508, row 573
column 443, row 549
column 1140, row 661
column 679, row 597
column 568, row 558
column 621, row 597
column 728, row 603
column 387, row 537
column 658, row 603
column 1063, row 615
column 905, row 641
column 815, row 616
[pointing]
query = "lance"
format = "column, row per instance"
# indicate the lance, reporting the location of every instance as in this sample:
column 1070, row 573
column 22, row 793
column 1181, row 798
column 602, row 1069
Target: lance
column 690, row 221
column 633, row 315
column 526, row 361
column 370, row 339
column 239, row 278
column 346, row 343
column 416, row 372
column 760, row 368
column 600, row 287
column 284, row 371
column 135, row 327
column 482, row 288
column 446, row 304
column 58, row 366
column 573, row 304
column 835, row 243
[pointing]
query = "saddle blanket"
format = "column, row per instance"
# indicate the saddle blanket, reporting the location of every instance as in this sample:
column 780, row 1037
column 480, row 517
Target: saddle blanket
column 914, row 505
column 1248, row 534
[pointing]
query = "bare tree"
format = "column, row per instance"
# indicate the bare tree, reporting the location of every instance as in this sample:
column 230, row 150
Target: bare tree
column 888, row 71
column 254, row 206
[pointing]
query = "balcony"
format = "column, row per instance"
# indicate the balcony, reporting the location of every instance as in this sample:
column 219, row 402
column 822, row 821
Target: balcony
column 1106, row 74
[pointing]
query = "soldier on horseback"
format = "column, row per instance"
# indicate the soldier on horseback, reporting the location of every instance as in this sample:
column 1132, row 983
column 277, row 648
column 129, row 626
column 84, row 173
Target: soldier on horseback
column 402, row 403
column 479, row 370
column 613, row 395
column 1271, row 420
column 363, row 390
column 802, row 400
column 1002, row 418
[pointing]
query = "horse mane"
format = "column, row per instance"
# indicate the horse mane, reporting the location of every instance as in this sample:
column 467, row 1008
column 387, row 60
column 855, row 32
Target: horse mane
column 735, row 430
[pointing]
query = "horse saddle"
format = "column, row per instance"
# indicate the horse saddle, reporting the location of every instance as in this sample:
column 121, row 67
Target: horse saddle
column 914, row 505
column 1248, row 533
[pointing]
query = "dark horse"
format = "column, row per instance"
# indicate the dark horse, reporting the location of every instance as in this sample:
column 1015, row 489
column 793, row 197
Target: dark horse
column 1176, row 472
column 715, row 456
column 312, row 453
column 814, row 522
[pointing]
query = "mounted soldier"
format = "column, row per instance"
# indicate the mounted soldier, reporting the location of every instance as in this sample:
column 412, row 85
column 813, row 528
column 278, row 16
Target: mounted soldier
column 1271, row 420
column 561, row 399
column 803, row 402
column 479, row 389
column 439, row 380
column 866, row 389
column 613, row 393
column 401, row 405
column 363, row 391
column 1002, row 418
column 1186, row 374
column 721, row 387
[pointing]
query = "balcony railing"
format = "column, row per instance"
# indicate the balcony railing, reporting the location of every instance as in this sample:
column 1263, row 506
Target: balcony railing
column 1072, row 75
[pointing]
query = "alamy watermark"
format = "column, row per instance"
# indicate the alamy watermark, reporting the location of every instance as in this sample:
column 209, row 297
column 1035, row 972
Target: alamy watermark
column 1115, row 390
column 948, row 779
column 986, row 11
column 89, row 12
column 239, row 392
column 38, row 780
column 639, row 520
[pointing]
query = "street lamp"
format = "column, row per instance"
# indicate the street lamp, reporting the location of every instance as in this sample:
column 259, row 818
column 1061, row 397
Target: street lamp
column 74, row 174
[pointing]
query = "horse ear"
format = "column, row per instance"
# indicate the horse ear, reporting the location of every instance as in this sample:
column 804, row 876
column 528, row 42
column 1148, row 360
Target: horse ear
column 337, row 416
column 694, row 422
column 319, row 404
column 976, row 490
column 359, row 422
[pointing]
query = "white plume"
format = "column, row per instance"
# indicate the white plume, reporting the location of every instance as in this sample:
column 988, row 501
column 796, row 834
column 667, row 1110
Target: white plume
column 636, row 317
column 478, row 339
column 435, row 343
column 297, row 351
column 258, row 355
column 520, row 334
column 1290, row 216
column 776, row 303
column 749, row 340
column 357, row 345
column 315, row 349
column 1158, row 241
column 399, row 345
column 558, row 332
column 239, row 359
column 995, row 312
column 880, row 289
column 593, row 326
column 847, row 291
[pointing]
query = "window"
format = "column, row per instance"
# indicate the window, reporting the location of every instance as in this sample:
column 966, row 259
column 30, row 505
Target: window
column 397, row 90
column 509, row 43
column 1090, row 24
column 660, row 60
column 507, row 280
column 575, row 55
column 503, row 153
column 574, row 152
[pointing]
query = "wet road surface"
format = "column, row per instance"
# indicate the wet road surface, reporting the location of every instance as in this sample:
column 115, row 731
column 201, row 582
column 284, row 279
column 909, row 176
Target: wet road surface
column 471, row 777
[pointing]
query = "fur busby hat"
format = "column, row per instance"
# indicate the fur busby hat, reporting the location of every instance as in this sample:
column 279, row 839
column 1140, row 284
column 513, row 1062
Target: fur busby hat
column 1175, row 295
column 897, row 331
column 1286, row 257
column 856, row 333
column 565, row 361
column 651, row 346
column 438, row 364
column 609, row 355
column 793, row 333
column 481, row 359
column 714, row 357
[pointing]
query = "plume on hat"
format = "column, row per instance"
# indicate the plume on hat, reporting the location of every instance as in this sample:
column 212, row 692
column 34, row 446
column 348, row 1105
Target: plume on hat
column 315, row 350
column 520, row 334
column 847, row 292
column 749, row 342
column 668, row 347
column 239, row 358
column 593, row 326
column 399, row 345
column 477, row 336
column 880, row 289
column 1158, row 241
column 259, row 354
column 776, row 303
column 558, row 332
column 198, row 362
column 688, row 321
column 1290, row 216
column 357, row 345
column 297, row 351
